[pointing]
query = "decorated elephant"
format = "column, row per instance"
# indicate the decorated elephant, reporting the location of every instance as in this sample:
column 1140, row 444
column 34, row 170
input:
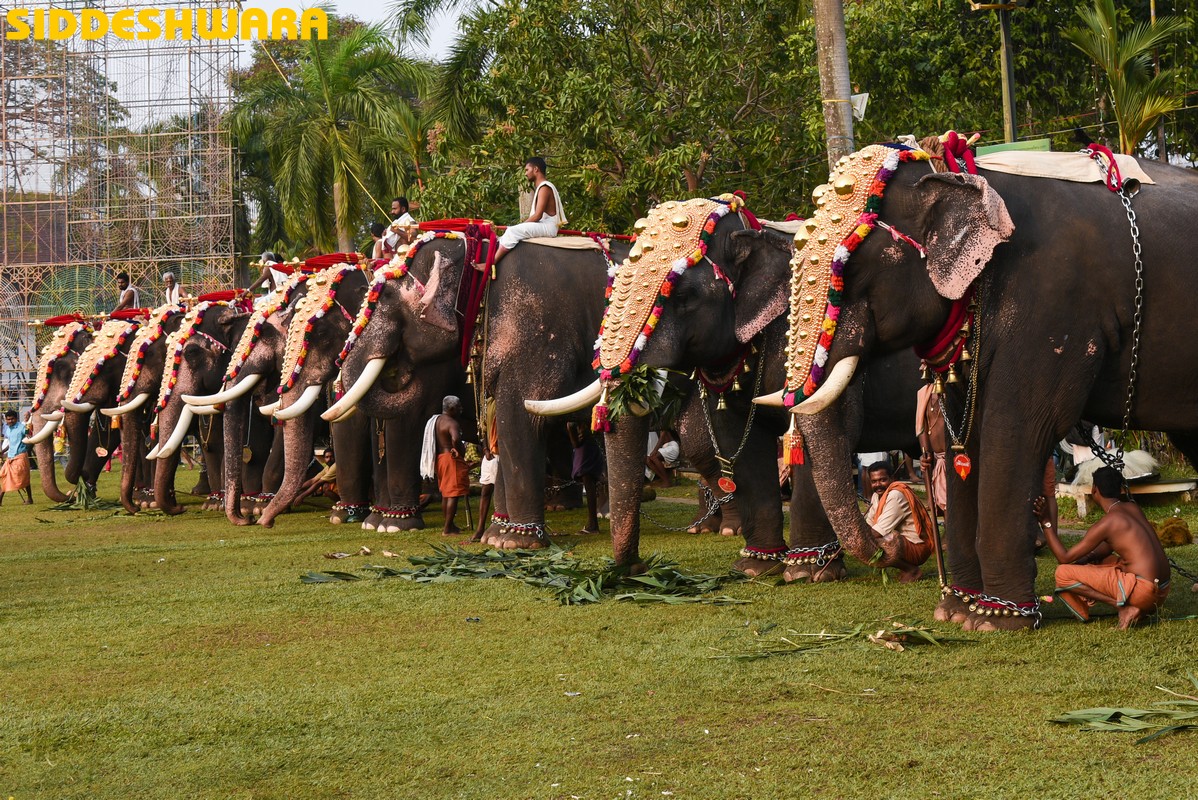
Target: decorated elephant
column 56, row 367
column 975, row 273
column 92, row 437
column 417, row 330
column 132, row 399
column 197, row 355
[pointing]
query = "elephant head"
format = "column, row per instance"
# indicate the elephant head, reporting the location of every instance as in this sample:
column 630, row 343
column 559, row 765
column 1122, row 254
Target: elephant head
column 407, row 322
column 56, row 367
column 196, row 357
column 689, row 298
column 856, row 296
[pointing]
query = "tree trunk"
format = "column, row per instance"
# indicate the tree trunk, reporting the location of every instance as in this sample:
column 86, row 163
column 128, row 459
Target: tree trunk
column 345, row 243
column 833, row 57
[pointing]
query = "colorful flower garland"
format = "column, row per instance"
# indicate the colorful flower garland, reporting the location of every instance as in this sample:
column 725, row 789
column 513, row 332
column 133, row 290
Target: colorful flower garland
column 865, row 223
column 318, row 301
column 174, row 350
column 149, row 333
column 268, row 305
column 65, row 336
column 726, row 204
column 109, row 339
column 398, row 268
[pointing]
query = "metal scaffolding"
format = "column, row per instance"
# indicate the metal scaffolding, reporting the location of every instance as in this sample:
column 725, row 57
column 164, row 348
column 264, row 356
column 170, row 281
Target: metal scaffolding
column 116, row 156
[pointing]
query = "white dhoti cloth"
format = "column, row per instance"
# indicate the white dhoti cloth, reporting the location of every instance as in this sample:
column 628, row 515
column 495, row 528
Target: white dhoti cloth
column 488, row 469
column 529, row 230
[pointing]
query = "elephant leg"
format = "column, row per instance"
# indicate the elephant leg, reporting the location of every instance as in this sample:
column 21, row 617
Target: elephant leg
column 494, row 526
column 697, row 447
column 212, row 448
column 522, row 464
column 811, row 534
column 378, row 480
column 236, row 417
column 353, row 445
column 402, row 473
column 131, row 458
column 563, row 493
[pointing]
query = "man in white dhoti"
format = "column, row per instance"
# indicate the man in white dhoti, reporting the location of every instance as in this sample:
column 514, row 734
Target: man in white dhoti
column 547, row 212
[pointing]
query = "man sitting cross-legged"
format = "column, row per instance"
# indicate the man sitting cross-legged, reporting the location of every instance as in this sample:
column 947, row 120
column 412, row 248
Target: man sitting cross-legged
column 1118, row 561
column 895, row 511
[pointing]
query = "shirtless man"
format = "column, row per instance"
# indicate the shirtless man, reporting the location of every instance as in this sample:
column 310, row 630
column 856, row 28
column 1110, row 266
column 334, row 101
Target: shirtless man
column 453, row 472
column 130, row 296
column 1119, row 560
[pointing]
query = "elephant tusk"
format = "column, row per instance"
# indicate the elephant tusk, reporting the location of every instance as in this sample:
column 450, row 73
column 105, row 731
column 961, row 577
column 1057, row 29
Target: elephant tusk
column 153, row 454
column 53, row 416
column 79, row 408
column 206, row 411
column 300, row 406
column 355, row 393
column 346, row 415
column 833, row 387
column 177, row 435
column 134, row 404
column 772, row 400
column 45, row 433
column 224, row 396
column 269, row 409
column 583, row 398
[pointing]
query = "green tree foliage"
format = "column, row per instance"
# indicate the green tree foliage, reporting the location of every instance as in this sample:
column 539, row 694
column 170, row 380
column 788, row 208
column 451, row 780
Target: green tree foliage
column 1139, row 95
column 633, row 102
column 331, row 132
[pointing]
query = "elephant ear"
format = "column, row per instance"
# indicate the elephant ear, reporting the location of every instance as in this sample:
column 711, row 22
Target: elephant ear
column 761, row 268
column 439, row 300
column 965, row 220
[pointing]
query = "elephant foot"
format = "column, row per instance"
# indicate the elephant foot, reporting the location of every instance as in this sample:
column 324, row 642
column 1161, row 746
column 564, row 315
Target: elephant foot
column 372, row 521
column 834, row 570
column 513, row 540
column 758, row 567
column 709, row 525
column 953, row 607
column 986, row 624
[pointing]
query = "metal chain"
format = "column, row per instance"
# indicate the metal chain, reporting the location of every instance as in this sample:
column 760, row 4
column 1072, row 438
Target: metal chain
column 713, row 505
column 744, row 439
column 971, row 392
column 1182, row 571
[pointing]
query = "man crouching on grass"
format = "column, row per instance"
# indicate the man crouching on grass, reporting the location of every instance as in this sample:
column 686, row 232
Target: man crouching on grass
column 1119, row 560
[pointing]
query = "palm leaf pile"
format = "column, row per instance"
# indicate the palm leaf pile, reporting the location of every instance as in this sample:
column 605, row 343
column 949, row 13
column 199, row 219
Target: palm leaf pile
column 84, row 499
column 892, row 635
column 1164, row 718
column 574, row 581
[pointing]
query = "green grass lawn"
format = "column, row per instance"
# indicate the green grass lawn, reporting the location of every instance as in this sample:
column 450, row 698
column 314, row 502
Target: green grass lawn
column 155, row 657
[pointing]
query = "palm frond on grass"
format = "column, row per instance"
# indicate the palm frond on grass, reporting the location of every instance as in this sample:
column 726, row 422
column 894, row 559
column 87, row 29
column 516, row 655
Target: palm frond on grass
column 892, row 635
column 1162, row 719
column 574, row 581
column 84, row 499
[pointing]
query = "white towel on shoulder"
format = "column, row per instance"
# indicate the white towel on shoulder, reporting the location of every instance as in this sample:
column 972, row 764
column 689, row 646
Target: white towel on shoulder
column 428, row 452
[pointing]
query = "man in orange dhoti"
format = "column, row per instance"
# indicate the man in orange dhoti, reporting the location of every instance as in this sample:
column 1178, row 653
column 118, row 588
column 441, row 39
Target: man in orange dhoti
column 894, row 511
column 451, row 470
column 1119, row 560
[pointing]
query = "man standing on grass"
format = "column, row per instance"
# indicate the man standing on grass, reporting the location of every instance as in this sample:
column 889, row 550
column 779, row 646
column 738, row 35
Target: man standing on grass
column 443, row 436
column 895, row 512
column 1119, row 560
column 14, row 474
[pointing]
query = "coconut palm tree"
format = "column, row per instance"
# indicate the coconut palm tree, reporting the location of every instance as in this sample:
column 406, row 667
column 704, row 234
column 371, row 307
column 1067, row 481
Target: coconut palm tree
column 833, row 56
column 340, row 128
column 1139, row 97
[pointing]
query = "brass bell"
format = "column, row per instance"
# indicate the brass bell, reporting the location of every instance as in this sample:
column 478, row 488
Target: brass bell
column 721, row 405
column 745, row 368
column 925, row 374
column 938, row 384
column 952, row 376
column 470, row 373
column 736, row 385
column 965, row 356
column 965, row 328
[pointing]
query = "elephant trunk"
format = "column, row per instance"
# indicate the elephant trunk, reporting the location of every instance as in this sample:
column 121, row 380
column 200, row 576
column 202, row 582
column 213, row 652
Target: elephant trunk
column 43, row 451
column 297, row 455
column 167, row 466
column 131, row 458
column 828, row 444
column 77, row 426
column 236, row 413
column 626, row 446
